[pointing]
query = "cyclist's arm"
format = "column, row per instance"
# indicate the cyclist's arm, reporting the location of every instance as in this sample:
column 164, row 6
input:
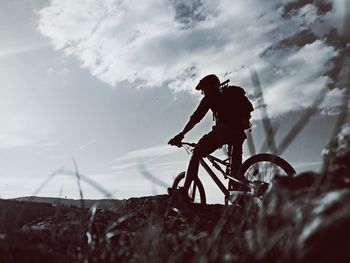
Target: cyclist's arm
column 197, row 116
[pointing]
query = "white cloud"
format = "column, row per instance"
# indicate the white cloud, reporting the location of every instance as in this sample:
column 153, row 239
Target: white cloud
column 21, row 129
column 151, row 157
column 141, row 155
column 23, row 49
column 153, row 45
column 297, row 87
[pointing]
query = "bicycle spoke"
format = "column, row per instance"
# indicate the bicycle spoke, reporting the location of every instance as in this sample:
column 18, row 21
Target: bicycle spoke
column 252, row 172
column 247, row 174
column 271, row 174
column 272, row 171
column 268, row 172
column 262, row 168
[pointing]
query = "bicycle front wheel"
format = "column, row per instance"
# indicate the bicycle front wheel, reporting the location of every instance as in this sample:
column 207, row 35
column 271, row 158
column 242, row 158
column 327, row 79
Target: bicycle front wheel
column 196, row 190
column 262, row 168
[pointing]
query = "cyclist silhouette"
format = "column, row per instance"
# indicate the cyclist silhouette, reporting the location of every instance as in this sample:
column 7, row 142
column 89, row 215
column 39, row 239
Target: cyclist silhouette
column 226, row 131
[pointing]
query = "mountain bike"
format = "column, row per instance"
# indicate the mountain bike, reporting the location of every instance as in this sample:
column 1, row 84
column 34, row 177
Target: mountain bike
column 258, row 170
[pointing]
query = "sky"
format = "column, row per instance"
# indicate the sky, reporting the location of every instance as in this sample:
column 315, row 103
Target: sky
column 106, row 84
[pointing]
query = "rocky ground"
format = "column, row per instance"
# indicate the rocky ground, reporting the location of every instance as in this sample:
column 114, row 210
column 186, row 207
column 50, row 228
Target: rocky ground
column 303, row 219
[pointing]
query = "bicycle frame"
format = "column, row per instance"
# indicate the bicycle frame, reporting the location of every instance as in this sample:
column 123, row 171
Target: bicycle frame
column 253, row 170
column 214, row 161
column 214, row 177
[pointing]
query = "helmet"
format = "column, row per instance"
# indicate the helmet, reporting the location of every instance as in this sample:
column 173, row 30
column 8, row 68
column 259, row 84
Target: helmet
column 208, row 81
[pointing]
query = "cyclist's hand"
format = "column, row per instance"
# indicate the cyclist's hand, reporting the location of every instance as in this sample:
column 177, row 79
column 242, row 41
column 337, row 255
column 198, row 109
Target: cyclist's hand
column 176, row 140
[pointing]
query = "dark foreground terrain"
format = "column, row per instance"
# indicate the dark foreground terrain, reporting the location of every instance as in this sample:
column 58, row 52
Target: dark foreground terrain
column 303, row 219
column 149, row 230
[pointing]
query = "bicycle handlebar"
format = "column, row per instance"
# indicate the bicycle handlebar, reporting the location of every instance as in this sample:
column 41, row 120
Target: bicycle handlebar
column 192, row 144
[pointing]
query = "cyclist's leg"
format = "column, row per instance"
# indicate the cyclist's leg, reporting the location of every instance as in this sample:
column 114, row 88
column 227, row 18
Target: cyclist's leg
column 205, row 146
column 236, row 157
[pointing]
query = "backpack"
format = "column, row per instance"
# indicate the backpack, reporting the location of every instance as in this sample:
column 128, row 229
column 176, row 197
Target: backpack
column 237, row 106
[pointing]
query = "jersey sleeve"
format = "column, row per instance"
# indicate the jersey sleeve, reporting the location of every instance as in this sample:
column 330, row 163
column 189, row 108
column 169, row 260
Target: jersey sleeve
column 200, row 112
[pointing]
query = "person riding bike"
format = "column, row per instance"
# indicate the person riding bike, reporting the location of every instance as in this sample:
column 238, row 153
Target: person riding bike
column 226, row 131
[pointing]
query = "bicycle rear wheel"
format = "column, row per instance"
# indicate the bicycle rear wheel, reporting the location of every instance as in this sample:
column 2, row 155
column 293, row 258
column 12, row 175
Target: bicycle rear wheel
column 196, row 190
column 262, row 168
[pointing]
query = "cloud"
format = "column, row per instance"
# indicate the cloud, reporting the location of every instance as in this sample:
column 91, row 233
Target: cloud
column 154, row 158
column 302, row 82
column 146, row 154
column 21, row 129
column 22, row 50
column 175, row 43
column 157, row 160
